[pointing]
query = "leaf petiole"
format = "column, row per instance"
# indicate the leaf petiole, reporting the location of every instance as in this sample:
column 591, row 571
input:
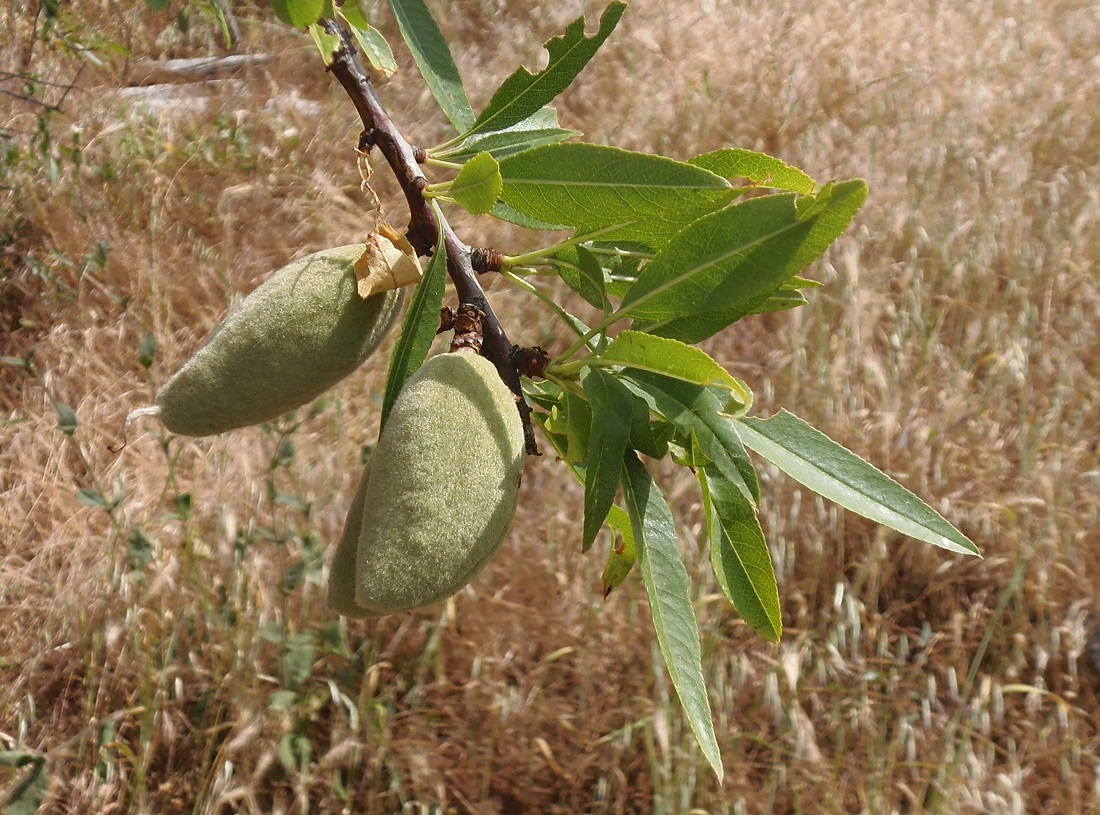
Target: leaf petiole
column 547, row 251
column 444, row 165
column 546, row 299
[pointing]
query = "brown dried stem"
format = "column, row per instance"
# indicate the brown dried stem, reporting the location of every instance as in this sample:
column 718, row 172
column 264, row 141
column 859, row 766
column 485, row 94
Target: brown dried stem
column 423, row 225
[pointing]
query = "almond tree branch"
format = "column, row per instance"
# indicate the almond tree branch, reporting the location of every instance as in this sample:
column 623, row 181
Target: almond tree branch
column 423, row 227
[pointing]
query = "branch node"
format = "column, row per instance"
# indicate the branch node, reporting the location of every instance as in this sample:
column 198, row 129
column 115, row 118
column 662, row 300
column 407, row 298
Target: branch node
column 419, row 154
column 446, row 319
column 469, row 324
column 484, row 259
column 530, row 362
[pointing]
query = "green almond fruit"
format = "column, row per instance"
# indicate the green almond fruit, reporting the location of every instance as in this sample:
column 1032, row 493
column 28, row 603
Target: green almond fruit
column 341, row 580
column 290, row 340
column 442, row 488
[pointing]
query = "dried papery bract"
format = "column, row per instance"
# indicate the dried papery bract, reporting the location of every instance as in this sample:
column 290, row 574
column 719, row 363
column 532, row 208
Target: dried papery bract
column 293, row 338
column 442, row 488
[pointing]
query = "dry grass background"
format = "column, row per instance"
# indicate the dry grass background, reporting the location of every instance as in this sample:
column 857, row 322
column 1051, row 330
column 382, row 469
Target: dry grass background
column 175, row 654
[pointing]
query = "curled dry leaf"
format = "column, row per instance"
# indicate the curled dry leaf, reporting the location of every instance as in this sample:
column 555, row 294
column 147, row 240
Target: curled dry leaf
column 388, row 262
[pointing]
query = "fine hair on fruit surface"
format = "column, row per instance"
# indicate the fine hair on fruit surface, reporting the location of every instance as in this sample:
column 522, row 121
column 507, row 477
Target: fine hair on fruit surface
column 294, row 337
column 442, row 486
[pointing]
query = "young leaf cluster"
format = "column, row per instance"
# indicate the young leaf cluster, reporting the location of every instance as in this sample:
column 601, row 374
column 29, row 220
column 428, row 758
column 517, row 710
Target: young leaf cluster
column 667, row 253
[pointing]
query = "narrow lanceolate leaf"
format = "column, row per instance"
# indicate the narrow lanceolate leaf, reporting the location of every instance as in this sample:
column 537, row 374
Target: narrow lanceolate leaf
column 759, row 168
column 674, row 359
column 739, row 555
column 538, row 129
column 698, row 327
column 590, row 279
column 578, row 424
column 695, row 409
column 740, row 253
column 66, row 418
column 298, row 13
column 557, row 440
column 523, row 93
column 669, row 592
column 649, row 436
column 374, row 45
column 610, row 193
column 418, row 328
column 477, row 185
column 327, row 44
column 612, row 410
column 433, row 58
column 623, row 556
column 514, row 216
column 813, row 459
column 25, row 796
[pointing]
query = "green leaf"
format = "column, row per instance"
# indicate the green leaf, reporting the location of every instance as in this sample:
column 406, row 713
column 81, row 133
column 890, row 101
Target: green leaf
column 674, row 359
column 649, row 437
column 66, row 418
column 557, row 440
column 91, row 498
column 612, row 409
column 513, row 216
column 477, row 185
column 298, row 13
column 621, row 558
column 296, row 661
column 669, row 592
column 739, row 555
column 374, row 45
column 698, row 327
column 418, row 328
column 590, row 279
column 695, row 409
column 147, row 350
column 433, row 58
column 759, row 168
column 538, row 129
column 523, row 93
column 157, row 5
column 327, row 44
column 578, row 423
column 739, row 253
column 610, row 193
column 26, row 796
column 814, row 460
column 139, row 549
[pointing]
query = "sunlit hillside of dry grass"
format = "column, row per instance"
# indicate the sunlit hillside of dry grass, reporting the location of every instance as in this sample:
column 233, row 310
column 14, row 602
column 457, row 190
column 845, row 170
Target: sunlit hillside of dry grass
column 174, row 652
